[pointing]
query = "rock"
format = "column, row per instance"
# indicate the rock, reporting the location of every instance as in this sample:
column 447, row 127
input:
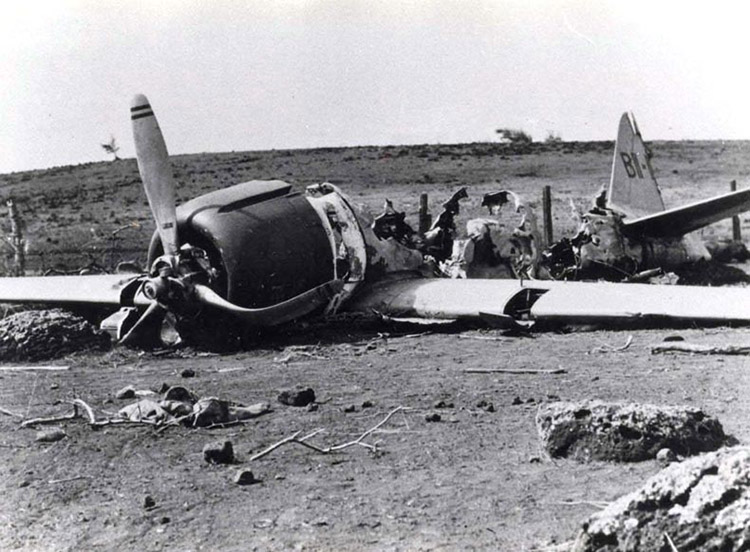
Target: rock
column 517, row 401
column 244, row 477
column 433, row 417
column 674, row 337
column 127, row 392
column 665, row 456
column 252, row 411
column 164, row 520
column 443, row 404
column 312, row 407
column 298, row 396
column 188, row 373
column 50, row 435
column 625, row 432
column 349, row 409
column 177, row 408
column 219, row 452
column 702, row 503
column 145, row 409
column 485, row 405
column 367, row 404
column 45, row 334
column 210, row 411
column 148, row 502
column 179, row 393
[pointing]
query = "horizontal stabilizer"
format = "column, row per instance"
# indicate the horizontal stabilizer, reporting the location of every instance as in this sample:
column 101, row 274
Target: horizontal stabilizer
column 679, row 221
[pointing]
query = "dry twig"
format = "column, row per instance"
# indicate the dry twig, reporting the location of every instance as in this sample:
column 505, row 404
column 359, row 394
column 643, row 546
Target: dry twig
column 483, row 337
column 514, row 371
column 695, row 348
column 9, row 413
column 672, row 547
column 33, row 368
column 77, row 477
column 52, row 420
column 610, row 349
column 295, row 438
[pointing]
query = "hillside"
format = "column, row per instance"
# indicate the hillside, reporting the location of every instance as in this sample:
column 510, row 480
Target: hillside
column 97, row 212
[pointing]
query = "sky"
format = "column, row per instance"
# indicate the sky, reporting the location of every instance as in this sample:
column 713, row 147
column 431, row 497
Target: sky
column 227, row 75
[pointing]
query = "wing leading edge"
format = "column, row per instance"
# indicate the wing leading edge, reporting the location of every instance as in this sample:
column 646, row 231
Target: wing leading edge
column 103, row 290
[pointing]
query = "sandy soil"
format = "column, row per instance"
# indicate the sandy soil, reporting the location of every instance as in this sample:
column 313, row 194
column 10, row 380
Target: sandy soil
column 474, row 480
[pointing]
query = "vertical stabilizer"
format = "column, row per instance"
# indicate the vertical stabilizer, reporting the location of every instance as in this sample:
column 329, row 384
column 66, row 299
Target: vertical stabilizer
column 633, row 190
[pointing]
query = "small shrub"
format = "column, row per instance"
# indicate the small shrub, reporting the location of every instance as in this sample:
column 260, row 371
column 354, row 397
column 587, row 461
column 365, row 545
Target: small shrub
column 514, row 136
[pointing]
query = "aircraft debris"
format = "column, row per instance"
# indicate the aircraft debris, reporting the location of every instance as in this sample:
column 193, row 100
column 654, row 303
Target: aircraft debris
column 616, row 432
column 701, row 503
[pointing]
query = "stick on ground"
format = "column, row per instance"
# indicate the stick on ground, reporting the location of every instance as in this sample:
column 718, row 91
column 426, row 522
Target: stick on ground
column 694, row 348
column 295, row 438
column 514, row 371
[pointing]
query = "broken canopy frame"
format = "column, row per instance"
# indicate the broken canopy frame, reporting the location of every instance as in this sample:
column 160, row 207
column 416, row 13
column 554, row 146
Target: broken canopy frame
column 551, row 301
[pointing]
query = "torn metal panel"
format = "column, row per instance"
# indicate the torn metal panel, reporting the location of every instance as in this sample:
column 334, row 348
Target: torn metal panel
column 597, row 302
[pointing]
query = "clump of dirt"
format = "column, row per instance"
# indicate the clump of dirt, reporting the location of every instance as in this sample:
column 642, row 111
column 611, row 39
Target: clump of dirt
column 45, row 334
column 701, row 504
column 625, row 432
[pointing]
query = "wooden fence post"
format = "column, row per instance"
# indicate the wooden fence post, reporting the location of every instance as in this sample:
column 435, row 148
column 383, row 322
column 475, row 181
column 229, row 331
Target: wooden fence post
column 736, row 231
column 425, row 219
column 547, row 215
column 16, row 240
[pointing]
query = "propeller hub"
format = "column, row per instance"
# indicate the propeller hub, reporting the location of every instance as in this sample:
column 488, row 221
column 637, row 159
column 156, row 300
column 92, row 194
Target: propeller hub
column 156, row 289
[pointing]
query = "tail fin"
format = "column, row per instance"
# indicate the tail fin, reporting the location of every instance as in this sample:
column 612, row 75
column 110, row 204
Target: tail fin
column 633, row 190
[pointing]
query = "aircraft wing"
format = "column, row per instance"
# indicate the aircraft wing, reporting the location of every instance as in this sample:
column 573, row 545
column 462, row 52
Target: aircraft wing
column 95, row 290
column 554, row 301
column 678, row 222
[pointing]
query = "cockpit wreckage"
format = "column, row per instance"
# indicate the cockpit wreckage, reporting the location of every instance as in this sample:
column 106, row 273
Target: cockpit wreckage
column 260, row 254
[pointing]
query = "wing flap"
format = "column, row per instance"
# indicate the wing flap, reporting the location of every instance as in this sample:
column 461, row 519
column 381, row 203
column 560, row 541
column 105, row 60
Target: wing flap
column 681, row 220
column 443, row 298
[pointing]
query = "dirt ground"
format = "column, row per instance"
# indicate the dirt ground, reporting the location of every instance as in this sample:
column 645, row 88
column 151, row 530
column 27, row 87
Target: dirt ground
column 475, row 480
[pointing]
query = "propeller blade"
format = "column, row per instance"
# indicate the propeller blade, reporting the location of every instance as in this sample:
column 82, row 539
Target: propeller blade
column 156, row 171
column 290, row 309
column 154, row 309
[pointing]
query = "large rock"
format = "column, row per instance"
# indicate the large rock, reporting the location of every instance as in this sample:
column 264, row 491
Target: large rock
column 702, row 504
column 625, row 432
column 45, row 334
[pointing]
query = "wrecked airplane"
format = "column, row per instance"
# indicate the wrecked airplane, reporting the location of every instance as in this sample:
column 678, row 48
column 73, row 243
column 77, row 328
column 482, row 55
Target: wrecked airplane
column 259, row 254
